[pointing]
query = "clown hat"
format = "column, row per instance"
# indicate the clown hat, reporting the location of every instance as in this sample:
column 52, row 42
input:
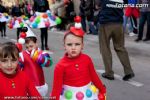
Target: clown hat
column 25, row 32
column 77, row 28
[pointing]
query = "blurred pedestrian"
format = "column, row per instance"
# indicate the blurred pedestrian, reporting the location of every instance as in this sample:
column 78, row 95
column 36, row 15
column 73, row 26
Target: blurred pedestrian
column 111, row 27
column 145, row 17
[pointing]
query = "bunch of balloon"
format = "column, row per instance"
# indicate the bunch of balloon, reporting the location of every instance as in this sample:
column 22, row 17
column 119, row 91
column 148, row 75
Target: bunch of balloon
column 42, row 58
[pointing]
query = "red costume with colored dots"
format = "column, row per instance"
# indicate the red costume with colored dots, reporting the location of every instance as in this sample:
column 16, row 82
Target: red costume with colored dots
column 17, row 87
column 75, row 72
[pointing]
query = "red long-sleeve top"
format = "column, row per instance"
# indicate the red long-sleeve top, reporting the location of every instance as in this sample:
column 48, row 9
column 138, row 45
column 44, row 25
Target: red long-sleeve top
column 17, row 87
column 75, row 72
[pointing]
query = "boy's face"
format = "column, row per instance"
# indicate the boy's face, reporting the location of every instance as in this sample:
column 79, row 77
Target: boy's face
column 8, row 65
column 73, row 45
column 31, row 45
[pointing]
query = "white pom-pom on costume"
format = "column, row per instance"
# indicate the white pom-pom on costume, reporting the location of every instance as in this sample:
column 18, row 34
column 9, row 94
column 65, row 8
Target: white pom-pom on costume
column 78, row 25
column 21, row 40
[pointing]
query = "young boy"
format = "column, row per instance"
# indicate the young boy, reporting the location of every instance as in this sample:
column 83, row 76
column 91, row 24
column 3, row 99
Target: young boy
column 75, row 77
column 15, row 84
column 32, row 66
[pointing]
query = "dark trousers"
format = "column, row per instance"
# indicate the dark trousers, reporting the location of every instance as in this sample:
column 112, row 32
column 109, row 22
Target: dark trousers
column 145, row 16
column 18, row 32
column 134, row 24
column 113, row 31
column 44, row 36
column 3, row 28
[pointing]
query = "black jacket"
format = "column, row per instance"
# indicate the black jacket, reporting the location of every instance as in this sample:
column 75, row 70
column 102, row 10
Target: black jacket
column 2, row 9
column 41, row 5
column 109, row 14
column 16, row 11
column 86, row 7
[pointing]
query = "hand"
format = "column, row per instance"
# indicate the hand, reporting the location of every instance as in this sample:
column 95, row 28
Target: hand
column 102, row 96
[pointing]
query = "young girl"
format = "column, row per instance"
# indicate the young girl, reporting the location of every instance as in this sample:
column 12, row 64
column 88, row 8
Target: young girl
column 75, row 77
column 14, row 83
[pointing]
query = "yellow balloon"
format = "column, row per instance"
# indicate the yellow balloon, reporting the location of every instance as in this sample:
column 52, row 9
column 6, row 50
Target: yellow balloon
column 93, row 88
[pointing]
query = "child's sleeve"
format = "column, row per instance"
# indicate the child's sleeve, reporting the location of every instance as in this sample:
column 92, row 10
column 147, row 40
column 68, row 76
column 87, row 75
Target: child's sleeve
column 95, row 79
column 57, row 83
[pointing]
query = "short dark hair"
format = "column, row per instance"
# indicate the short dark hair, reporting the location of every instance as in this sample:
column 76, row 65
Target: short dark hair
column 28, row 39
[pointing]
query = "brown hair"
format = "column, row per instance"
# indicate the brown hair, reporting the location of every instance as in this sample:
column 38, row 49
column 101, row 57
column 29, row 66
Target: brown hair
column 28, row 39
column 9, row 49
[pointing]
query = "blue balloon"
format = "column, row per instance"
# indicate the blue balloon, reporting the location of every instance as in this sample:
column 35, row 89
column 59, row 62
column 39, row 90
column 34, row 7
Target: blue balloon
column 88, row 93
column 34, row 25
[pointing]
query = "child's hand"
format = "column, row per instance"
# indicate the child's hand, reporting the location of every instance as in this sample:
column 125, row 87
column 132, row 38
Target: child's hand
column 102, row 96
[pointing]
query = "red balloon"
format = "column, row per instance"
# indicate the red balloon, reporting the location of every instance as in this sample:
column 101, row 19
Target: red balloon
column 45, row 16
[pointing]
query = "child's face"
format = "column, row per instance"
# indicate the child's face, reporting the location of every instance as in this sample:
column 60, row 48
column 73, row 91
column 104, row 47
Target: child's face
column 31, row 45
column 73, row 45
column 8, row 65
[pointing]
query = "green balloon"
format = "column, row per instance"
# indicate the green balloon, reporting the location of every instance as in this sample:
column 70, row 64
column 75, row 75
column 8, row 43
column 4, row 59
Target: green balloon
column 21, row 24
column 58, row 20
column 37, row 20
column 68, row 95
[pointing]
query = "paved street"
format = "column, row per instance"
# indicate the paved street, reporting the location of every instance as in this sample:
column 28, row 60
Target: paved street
column 136, row 89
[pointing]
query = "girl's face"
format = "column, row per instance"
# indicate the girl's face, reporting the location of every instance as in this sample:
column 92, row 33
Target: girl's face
column 8, row 65
column 73, row 45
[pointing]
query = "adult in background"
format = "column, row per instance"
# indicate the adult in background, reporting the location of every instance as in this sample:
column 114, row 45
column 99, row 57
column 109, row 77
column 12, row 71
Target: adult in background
column 145, row 16
column 42, row 6
column 2, row 24
column 16, row 12
column 111, row 27
column 87, row 13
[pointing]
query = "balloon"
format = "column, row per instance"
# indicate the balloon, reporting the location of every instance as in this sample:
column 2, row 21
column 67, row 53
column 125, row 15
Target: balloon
column 79, row 95
column 35, row 55
column 31, row 19
column 88, row 93
column 21, row 24
column 45, row 15
column 58, row 20
column 52, row 18
column 93, row 88
column 23, row 35
column 47, row 24
column 34, row 25
column 68, row 94
column 37, row 20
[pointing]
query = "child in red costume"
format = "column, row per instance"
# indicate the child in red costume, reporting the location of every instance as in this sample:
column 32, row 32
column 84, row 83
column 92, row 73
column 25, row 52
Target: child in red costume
column 14, row 83
column 74, row 76
column 31, row 67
